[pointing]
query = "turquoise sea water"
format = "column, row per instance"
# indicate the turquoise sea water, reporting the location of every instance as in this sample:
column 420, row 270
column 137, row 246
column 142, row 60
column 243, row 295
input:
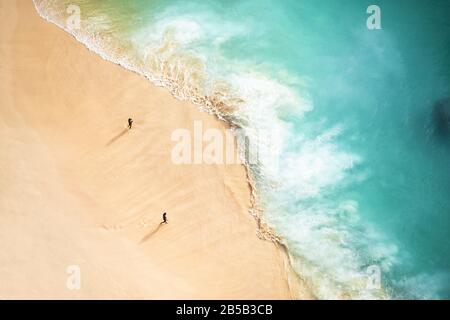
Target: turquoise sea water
column 359, row 179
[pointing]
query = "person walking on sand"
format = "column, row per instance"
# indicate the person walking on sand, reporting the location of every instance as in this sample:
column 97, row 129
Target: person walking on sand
column 130, row 123
column 164, row 218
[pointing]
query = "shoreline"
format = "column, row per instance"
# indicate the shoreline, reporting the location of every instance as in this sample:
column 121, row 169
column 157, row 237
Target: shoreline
column 100, row 194
column 204, row 104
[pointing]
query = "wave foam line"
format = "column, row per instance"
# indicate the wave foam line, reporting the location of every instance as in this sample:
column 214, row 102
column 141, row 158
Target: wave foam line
column 211, row 104
column 182, row 76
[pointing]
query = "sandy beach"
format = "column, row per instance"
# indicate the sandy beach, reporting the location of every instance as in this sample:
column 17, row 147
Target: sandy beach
column 79, row 189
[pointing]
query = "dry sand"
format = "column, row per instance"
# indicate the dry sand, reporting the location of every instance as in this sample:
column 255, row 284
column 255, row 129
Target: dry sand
column 77, row 188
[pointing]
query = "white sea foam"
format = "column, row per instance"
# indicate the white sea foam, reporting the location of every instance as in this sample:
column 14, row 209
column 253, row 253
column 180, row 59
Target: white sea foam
column 424, row 286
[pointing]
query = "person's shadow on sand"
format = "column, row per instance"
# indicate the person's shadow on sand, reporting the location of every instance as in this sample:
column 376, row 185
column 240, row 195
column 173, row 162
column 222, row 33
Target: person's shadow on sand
column 148, row 236
column 117, row 137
